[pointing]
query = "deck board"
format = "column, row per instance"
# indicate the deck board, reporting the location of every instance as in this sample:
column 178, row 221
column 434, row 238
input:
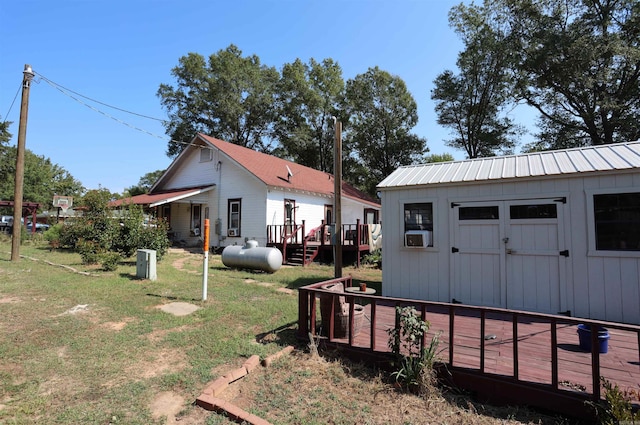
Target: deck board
column 620, row 364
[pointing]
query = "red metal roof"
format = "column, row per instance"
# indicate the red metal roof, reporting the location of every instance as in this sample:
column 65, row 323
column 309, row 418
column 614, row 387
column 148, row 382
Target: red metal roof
column 274, row 171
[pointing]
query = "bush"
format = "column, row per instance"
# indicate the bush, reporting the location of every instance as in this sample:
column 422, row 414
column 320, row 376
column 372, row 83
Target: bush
column 373, row 259
column 414, row 361
column 617, row 406
column 89, row 251
column 98, row 232
column 110, row 260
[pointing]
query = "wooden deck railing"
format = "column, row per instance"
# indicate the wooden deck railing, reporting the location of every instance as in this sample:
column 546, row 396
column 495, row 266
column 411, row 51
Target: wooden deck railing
column 353, row 235
column 307, row 312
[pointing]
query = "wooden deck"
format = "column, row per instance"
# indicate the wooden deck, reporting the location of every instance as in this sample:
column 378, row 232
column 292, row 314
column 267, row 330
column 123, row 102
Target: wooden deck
column 512, row 356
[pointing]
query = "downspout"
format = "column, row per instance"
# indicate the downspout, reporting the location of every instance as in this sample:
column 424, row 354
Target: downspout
column 218, row 225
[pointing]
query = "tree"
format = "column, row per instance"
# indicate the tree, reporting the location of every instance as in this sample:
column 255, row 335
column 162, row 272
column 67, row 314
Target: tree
column 445, row 157
column 309, row 96
column 230, row 97
column 382, row 113
column 144, row 184
column 471, row 102
column 5, row 136
column 578, row 64
column 42, row 178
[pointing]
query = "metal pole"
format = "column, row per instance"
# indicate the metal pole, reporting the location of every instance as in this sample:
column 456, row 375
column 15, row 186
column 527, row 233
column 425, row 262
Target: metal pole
column 19, row 179
column 205, row 266
column 337, row 199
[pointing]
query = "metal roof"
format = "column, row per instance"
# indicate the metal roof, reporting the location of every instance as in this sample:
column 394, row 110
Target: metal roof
column 619, row 156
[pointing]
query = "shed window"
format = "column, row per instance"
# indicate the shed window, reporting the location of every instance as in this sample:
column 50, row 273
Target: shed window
column 418, row 216
column 479, row 213
column 519, row 212
column 617, row 221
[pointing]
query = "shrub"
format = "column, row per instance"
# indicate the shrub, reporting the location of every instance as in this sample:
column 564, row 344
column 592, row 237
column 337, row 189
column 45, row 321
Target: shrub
column 110, row 260
column 414, row 361
column 89, row 251
column 98, row 232
column 373, row 259
column 617, row 406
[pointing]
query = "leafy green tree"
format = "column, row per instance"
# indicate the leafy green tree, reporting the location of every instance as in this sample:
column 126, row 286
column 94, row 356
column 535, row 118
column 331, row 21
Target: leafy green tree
column 470, row 102
column 382, row 113
column 5, row 136
column 42, row 178
column 309, row 96
column 230, row 97
column 144, row 184
column 444, row 157
column 100, row 231
column 578, row 63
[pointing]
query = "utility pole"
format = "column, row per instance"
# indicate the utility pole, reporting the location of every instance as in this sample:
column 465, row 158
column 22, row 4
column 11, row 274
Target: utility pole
column 19, row 182
column 337, row 198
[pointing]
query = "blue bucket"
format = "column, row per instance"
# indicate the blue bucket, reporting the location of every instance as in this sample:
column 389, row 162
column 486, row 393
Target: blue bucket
column 584, row 336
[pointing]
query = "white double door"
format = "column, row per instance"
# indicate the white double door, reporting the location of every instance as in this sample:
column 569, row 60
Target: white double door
column 509, row 254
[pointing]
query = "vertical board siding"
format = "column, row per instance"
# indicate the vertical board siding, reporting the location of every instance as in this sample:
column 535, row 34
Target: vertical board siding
column 589, row 284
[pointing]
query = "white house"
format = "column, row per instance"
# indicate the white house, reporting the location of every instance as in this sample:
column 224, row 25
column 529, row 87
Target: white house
column 552, row 232
column 243, row 191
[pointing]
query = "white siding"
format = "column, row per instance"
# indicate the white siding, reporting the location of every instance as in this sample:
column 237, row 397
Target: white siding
column 237, row 183
column 595, row 284
column 191, row 172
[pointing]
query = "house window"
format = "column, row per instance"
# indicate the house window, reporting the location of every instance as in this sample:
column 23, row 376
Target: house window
column 206, row 155
column 195, row 220
column 370, row 216
column 617, row 221
column 165, row 214
column 234, row 209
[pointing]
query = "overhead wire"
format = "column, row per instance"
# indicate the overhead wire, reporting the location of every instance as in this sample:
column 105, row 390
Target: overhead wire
column 71, row 93
column 14, row 101
column 94, row 100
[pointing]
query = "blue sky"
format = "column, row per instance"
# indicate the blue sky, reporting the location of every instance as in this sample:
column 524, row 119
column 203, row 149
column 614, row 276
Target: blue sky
column 119, row 52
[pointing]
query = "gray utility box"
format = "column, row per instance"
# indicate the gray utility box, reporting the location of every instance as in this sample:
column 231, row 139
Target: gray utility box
column 146, row 264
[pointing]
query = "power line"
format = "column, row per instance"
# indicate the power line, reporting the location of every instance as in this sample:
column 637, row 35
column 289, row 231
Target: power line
column 59, row 87
column 67, row 92
column 14, row 101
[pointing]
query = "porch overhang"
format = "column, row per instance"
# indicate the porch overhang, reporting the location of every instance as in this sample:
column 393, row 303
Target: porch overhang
column 161, row 198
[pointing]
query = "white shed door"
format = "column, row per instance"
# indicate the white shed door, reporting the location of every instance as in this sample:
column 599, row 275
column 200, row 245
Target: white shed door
column 478, row 255
column 509, row 254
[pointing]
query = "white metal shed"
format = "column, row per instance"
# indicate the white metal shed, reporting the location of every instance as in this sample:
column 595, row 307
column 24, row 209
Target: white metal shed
column 552, row 232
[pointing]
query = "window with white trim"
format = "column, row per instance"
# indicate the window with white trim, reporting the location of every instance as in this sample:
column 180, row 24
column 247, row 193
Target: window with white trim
column 234, row 209
column 206, row 155
column 418, row 219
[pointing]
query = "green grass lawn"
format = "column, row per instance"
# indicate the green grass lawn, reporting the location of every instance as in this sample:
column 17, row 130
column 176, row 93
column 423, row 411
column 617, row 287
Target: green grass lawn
column 106, row 360
column 79, row 345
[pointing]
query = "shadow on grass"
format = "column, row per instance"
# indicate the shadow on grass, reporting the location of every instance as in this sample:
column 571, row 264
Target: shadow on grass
column 283, row 335
column 172, row 298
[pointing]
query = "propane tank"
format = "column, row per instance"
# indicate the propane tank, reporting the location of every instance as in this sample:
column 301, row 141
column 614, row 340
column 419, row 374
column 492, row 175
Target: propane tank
column 251, row 256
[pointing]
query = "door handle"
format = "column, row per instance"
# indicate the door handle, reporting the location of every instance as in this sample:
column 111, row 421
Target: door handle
column 511, row 251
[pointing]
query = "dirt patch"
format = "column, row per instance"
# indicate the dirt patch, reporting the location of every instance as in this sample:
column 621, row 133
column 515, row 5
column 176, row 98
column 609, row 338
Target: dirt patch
column 9, row 300
column 159, row 334
column 165, row 360
column 167, row 404
column 180, row 263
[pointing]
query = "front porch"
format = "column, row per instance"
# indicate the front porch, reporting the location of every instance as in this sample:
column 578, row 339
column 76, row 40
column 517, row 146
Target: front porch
column 503, row 356
column 301, row 245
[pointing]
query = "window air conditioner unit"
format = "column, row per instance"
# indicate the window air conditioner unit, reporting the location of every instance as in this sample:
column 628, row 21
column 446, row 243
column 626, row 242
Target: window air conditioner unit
column 232, row 232
column 418, row 238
